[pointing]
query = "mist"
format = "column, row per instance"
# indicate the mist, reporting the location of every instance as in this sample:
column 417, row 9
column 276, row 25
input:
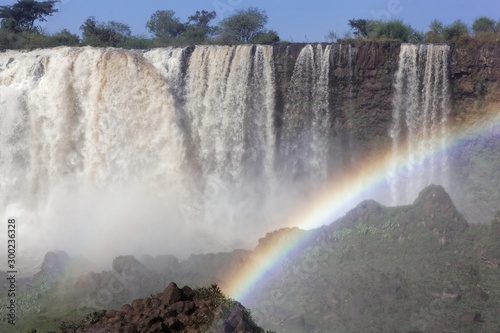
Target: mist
column 107, row 152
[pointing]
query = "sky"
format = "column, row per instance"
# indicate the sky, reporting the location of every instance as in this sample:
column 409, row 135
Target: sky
column 295, row 21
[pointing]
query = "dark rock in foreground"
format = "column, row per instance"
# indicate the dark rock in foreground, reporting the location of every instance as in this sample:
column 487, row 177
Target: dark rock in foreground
column 173, row 310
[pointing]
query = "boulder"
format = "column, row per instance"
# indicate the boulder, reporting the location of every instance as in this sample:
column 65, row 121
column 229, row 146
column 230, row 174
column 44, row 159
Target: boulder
column 470, row 317
column 171, row 294
column 174, row 310
column 479, row 294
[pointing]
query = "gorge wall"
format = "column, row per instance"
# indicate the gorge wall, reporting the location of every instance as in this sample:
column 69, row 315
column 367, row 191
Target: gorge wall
column 363, row 94
column 232, row 138
column 363, row 87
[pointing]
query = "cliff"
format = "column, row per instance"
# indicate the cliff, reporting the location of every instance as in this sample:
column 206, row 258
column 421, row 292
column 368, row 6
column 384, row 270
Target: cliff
column 362, row 101
column 361, row 85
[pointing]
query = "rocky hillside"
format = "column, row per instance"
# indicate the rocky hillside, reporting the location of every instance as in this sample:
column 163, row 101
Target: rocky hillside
column 416, row 268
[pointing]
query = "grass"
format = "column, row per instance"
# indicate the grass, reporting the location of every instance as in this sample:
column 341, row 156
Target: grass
column 373, row 281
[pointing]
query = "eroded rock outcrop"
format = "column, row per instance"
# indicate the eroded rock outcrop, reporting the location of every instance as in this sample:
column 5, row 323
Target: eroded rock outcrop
column 174, row 310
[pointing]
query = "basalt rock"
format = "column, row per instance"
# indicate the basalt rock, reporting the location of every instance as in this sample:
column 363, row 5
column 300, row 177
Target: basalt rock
column 436, row 211
column 173, row 310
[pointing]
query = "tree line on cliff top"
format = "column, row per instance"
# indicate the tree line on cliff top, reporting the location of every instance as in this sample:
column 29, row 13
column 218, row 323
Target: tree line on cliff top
column 18, row 30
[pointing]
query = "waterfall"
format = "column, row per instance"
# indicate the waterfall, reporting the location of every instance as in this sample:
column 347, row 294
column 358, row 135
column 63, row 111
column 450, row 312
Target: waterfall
column 307, row 116
column 230, row 105
column 78, row 116
column 218, row 143
column 419, row 132
column 184, row 135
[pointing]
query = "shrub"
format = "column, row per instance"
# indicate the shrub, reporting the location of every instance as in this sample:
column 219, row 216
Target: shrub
column 64, row 38
column 456, row 32
column 394, row 29
column 8, row 40
column 138, row 42
column 243, row 26
column 483, row 24
column 269, row 37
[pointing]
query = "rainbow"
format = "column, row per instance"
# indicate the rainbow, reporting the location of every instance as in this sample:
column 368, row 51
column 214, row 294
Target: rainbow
column 337, row 195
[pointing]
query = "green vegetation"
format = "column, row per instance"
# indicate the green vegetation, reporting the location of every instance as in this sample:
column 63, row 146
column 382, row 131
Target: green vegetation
column 219, row 299
column 483, row 24
column 104, row 34
column 483, row 29
column 384, row 30
column 456, row 32
column 394, row 30
column 73, row 326
column 164, row 25
column 388, row 269
column 379, row 30
column 198, row 28
column 18, row 30
column 246, row 26
column 384, row 233
column 22, row 15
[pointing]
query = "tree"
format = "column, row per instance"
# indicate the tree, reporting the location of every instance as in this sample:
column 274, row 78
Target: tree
column 138, row 43
column 347, row 35
column 65, row 38
column 483, row 24
column 435, row 33
column 198, row 29
column 242, row 26
column 456, row 31
column 360, row 27
column 201, row 20
column 436, row 27
column 120, row 28
column 97, row 33
column 164, row 25
column 378, row 29
column 8, row 39
column 22, row 15
column 394, row 29
column 269, row 37
column 331, row 37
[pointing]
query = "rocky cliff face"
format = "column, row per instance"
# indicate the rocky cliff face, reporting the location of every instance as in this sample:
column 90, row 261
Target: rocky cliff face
column 360, row 94
column 361, row 101
column 474, row 75
column 475, row 78
column 362, row 79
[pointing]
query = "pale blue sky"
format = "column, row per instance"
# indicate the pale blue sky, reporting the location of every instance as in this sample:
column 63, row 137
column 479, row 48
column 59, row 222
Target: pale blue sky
column 298, row 21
